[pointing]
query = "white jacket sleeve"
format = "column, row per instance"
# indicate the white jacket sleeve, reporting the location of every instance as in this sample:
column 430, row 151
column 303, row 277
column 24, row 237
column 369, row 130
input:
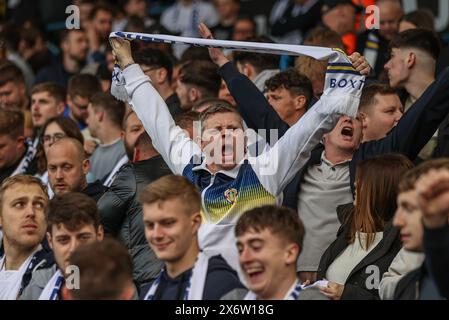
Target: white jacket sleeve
column 404, row 262
column 175, row 147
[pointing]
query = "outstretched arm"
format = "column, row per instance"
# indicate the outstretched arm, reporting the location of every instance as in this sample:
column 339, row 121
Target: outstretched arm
column 277, row 167
column 252, row 104
column 170, row 141
column 416, row 126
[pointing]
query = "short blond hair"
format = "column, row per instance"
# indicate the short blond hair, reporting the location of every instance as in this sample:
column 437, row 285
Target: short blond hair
column 172, row 187
column 22, row 179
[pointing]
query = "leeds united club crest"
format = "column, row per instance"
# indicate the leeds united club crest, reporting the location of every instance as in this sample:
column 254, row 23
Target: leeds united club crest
column 231, row 195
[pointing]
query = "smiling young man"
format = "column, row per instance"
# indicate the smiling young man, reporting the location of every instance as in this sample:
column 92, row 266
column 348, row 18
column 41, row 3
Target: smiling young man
column 23, row 200
column 417, row 283
column 269, row 240
column 172, row 218
column 230, row 181
column 73, row 221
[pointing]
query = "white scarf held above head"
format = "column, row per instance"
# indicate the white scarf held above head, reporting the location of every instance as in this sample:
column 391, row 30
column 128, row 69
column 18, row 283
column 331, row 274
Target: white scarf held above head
column 342, row 80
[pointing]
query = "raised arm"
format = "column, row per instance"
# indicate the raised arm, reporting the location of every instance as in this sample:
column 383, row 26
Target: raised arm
column 252, row 104
column 176, row 148
column 278, row 165
column 416, row 126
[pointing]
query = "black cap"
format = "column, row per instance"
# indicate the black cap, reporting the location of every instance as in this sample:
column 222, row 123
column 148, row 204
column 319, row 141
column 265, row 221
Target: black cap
column 330, row 4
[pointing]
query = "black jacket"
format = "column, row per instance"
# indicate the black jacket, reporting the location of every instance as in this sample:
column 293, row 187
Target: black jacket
column 412, row 133
column 53, row 73
column 442, row 147
column 174, row 105
column 410, row 287
column 383, row 51
column 436, row 248
column 94, row 190
column 121, row 213
column 302, row 22
column 380, row 257
column 31, row 169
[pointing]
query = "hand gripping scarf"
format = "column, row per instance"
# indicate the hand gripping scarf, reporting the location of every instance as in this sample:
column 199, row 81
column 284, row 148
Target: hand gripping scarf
column 343, row 84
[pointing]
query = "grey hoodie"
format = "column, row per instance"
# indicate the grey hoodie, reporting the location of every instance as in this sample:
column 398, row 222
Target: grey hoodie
column 38, row 282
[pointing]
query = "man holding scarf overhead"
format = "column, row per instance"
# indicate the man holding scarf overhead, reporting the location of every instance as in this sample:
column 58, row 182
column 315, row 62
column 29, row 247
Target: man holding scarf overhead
column 230, row 181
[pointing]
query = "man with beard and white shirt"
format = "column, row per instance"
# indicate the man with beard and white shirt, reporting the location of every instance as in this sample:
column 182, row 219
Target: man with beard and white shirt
column 132, row 128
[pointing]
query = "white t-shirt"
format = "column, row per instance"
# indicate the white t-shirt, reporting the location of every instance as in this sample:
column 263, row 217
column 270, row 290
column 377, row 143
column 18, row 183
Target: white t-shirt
column 10, row 280
column 342, row 266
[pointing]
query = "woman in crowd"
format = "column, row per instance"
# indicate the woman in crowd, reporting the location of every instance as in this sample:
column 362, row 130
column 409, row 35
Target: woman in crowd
column 53, row 130
column 366, row 242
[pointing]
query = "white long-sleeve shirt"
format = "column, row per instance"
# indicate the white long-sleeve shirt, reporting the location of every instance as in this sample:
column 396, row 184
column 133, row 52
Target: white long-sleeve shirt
column 252, row 183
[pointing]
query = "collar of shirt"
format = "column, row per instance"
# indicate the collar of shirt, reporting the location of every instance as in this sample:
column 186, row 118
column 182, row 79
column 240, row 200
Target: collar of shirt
column 233, row 173
column 330, row 164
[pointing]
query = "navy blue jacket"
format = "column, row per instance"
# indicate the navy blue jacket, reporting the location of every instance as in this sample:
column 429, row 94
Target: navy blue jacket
column 436, row 248
column 412, row 133
column 220, row 280
column 53, row 73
